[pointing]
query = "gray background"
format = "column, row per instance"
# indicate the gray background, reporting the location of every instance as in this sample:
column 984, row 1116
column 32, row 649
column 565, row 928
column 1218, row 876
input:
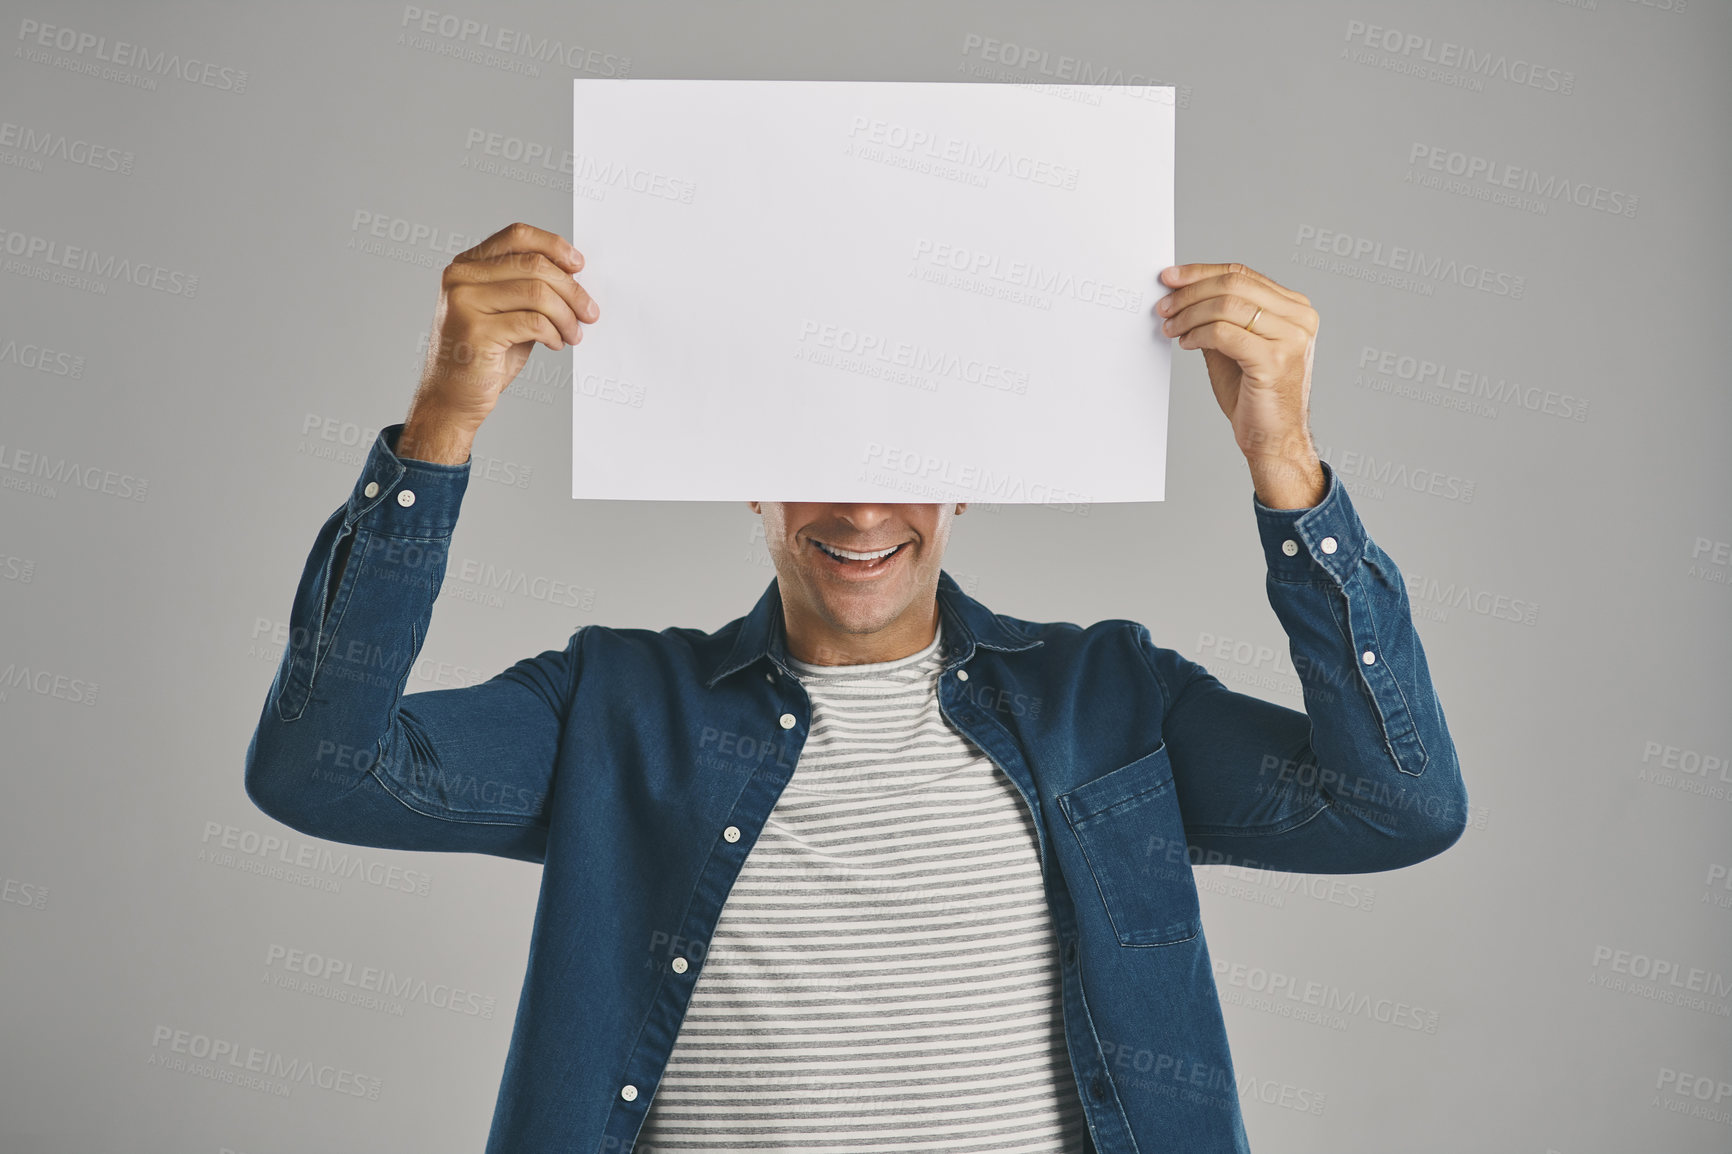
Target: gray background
column 1571, row 576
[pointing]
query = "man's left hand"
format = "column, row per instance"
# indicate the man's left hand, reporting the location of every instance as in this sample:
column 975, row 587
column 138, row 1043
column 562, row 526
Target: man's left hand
column 1261, row 375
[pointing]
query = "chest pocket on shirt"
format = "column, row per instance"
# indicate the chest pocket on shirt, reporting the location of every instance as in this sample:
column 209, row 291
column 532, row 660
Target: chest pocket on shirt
column 1128, row 826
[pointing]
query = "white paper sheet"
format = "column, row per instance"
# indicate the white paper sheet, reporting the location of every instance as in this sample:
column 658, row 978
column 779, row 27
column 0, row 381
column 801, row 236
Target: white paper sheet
column 871, row 291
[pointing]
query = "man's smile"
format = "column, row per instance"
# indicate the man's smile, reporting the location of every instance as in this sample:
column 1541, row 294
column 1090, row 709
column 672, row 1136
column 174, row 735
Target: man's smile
column 858, row 562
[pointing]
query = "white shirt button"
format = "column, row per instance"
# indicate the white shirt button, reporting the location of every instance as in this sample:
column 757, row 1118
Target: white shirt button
column 1289, row 546
column 372, row 489
column 768, row 676
column 787, row 721
column 1327, row 544
column 732, row 833
column 1368, row 657
column 679, row 965
column 628, row 1092
column 962, row 675
column 405, row 498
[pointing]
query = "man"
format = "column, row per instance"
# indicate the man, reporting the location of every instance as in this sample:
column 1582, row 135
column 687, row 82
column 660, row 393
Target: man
column 954, row 847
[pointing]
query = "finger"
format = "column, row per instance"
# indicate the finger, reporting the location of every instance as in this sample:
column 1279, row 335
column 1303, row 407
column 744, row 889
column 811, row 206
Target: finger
column 1184, row 274
column 1236, row 299
column 1245, row 348
column 518, row 266
column 521, row 237
column 1231, row 310
column 528, row 325
column 1238, row 279
column 496, row 297
column 1253, row 293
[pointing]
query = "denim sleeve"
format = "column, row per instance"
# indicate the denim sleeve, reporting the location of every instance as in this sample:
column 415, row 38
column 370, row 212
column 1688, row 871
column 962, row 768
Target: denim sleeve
column 1366, row 778
column 340, row 752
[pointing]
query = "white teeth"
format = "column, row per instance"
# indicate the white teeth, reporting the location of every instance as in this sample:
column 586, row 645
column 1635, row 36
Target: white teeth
column 845, row 554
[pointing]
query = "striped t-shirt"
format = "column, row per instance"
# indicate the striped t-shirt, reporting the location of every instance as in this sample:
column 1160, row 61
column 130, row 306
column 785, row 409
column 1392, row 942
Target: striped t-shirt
column 884, row 974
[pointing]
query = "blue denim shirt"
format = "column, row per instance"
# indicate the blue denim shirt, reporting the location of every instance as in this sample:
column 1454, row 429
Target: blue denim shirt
column 639, row 766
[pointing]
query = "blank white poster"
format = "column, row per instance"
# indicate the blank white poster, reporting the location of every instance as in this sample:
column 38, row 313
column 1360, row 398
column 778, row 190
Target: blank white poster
column 871, row 291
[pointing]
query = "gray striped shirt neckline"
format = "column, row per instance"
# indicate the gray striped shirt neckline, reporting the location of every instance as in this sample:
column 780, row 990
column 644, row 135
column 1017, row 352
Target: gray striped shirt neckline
column 915, row 665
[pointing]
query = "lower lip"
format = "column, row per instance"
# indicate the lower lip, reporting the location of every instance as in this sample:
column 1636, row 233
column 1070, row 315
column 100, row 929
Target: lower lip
column 860, row 570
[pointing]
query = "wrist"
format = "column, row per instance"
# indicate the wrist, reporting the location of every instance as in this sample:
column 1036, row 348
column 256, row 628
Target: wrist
column 1288, row 481
column 433, row 437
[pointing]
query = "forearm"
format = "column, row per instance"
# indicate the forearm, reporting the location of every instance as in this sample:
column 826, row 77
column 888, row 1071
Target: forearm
column 340, row 752
column 359, row 615
column 1366, row 777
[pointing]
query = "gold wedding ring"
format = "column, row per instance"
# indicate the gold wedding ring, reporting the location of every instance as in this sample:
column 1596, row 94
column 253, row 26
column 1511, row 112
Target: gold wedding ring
column 1253, row 319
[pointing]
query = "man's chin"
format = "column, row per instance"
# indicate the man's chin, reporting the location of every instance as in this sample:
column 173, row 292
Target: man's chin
column 859, row 610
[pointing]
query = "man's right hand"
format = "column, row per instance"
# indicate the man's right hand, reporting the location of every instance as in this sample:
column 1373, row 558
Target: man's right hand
column 509, row 293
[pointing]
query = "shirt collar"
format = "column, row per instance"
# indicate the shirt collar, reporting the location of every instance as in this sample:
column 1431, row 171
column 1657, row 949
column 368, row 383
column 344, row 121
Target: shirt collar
column 967, row 624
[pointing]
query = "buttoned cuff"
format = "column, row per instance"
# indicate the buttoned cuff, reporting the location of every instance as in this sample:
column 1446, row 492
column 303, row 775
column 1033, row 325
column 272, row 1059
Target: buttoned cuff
column 1324, row 542
column 403, row 497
